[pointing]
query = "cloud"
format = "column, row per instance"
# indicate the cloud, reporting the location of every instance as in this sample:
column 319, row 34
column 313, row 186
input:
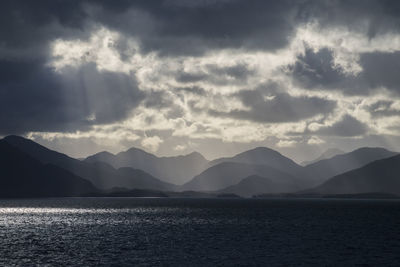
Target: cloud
column 314, row 140
column 192, row 90
column 318, row 70
column 380, row 69
column 286, row 143
column 199, row 70
column 348, row 126
column 173, row 28
column 27, row 27
column 373, row 17
column 217, row 75
column 38, row 99
column 180, row 148
column 383, row 108
column 152, row 143
column 266, row 106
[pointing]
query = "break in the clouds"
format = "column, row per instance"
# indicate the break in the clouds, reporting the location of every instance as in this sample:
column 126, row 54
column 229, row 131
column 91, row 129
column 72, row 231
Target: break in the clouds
column 174, row 76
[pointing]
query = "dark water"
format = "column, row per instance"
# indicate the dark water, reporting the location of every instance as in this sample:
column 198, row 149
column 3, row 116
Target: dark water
column 196, row 232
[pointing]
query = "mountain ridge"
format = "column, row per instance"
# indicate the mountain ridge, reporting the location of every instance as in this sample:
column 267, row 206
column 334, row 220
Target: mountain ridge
column 226, row 174
column 175, row 169
column 25, row 176
column 262, row 156
column 382, row 176
column 101, row 174
column 322, row 170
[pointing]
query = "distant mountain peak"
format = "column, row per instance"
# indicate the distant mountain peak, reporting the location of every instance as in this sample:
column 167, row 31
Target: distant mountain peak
column 261, row 149
column 136, row 149
column 195, row 154
column 262, row 156
column 104, row 153
column 175, row 169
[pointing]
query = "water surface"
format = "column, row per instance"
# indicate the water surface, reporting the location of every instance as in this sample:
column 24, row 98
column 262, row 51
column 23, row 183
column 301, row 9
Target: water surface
column 179, row 232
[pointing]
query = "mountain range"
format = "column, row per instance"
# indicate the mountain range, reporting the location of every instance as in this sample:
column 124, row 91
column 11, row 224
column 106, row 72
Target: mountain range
column 227, row 174
column 381, row 176
column 322, row 170
column 176, row 170
column 29, row 169
column 101, row 174
column 262, row 156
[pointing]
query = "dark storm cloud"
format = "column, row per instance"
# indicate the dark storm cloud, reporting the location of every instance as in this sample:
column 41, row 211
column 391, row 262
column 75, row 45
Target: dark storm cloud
column 27, row 26
column 348, row 126
column 34, row 98
column 377, row 16
column 381, row 69
column 160, row 100
column 382, row 108
column 192, row 27
column 189, row 27
column 317, row 70
column 185, row 77
column 265, row 105
column 176, row 27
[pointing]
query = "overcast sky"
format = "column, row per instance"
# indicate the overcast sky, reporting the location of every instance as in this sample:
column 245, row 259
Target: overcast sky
column 214, row 76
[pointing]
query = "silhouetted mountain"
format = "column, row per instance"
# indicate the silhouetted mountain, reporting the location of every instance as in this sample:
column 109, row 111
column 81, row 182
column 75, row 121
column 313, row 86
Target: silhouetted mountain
column 23, row 176
column 329, row 153
column 322, row 170
column 381, row 176
column 255, row 184
column 226, row 174
column 263, row 156
column 177, row 170
column 101, row 174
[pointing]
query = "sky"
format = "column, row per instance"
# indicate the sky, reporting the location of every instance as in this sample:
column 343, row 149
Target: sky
column 213, row 76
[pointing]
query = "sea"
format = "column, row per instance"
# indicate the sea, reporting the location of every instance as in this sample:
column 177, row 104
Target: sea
column 199, row 232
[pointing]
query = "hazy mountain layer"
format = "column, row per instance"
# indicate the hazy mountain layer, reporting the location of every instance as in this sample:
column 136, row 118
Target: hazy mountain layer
column 250, row 173
column 322, row 170
column 381, row 176
column 226, row 174
column 177, row 170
